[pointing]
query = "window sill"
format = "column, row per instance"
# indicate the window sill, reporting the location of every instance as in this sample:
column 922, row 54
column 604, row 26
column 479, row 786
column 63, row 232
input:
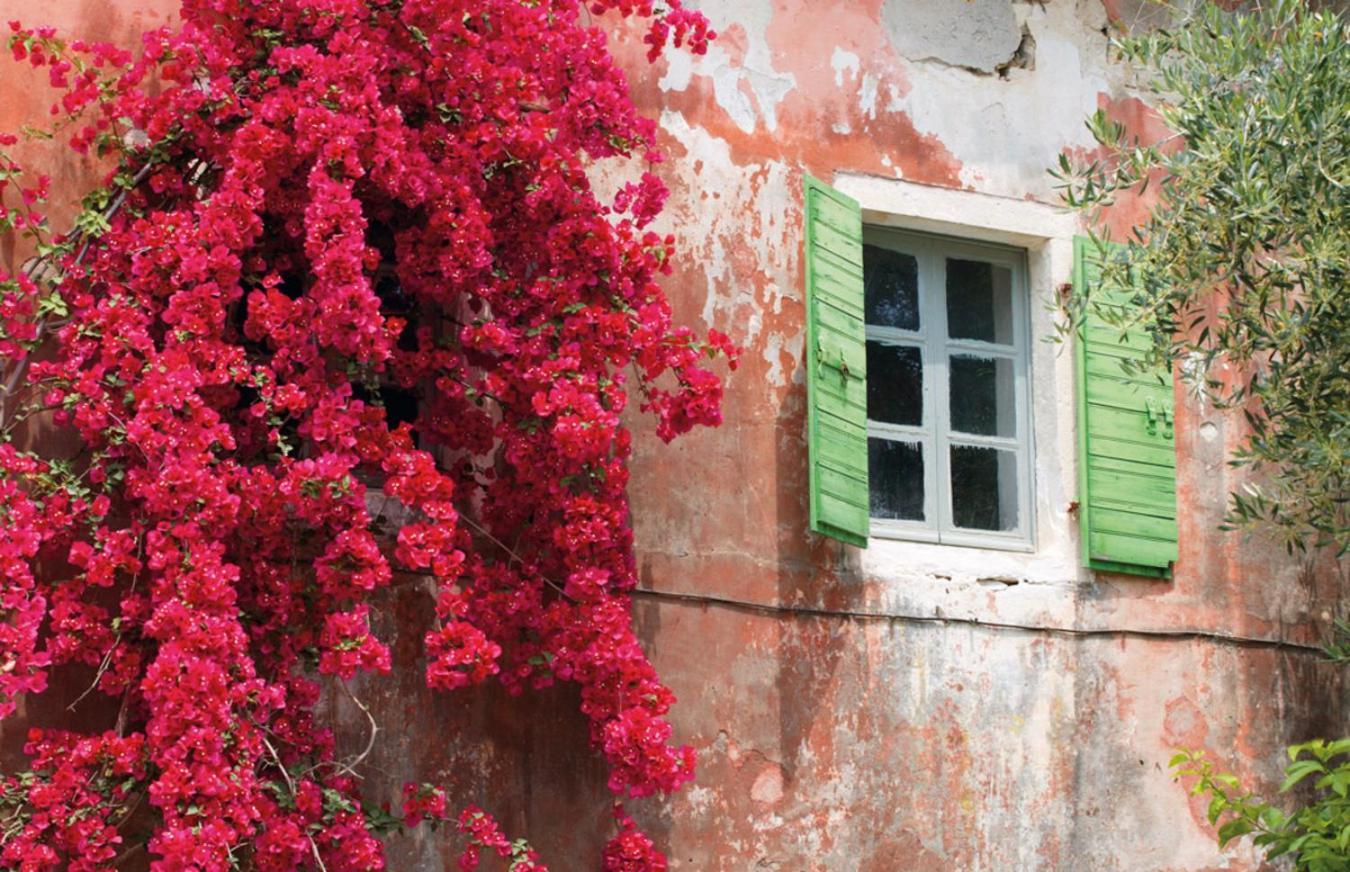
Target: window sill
column 893, row 532
column 899, row 564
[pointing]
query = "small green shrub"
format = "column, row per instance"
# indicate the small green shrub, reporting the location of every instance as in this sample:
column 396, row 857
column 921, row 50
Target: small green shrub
column 1316, row 834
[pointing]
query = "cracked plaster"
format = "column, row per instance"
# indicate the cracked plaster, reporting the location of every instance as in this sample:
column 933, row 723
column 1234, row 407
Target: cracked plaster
column 975, row 35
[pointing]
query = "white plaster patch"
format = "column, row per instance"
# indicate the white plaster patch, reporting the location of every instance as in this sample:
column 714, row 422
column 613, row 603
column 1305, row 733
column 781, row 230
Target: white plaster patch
column 768, row 786
column 894, row 97
column 1005, row 133
column 867, row 97
column 844, row 61
column 749, row 91
column 679, row 71
column 735, row 102
column 757, row 236
column 699, row 799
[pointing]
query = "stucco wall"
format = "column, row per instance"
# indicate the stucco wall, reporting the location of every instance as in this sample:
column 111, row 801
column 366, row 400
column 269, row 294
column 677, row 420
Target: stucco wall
column 873, row 740
column 911, row 706
column 862, row 710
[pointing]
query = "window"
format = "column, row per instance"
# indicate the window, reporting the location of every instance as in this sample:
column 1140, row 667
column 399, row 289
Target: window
column 917, row 363
column 948, row 435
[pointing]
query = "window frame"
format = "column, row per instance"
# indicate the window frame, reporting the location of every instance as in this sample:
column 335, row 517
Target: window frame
column 935, row 435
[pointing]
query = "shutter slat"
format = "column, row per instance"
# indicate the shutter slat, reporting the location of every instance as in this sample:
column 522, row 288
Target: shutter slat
column 836, row 365
column 1152, row 553
column 1107, row 391
column 1127, row 451
column 1116, row 521
column 1110, row 337
column 1109, row 365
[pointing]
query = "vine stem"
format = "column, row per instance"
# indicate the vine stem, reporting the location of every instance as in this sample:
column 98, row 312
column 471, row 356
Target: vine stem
column 290, row 785
column 349, row 767
column 511, row 553
column 34, row 269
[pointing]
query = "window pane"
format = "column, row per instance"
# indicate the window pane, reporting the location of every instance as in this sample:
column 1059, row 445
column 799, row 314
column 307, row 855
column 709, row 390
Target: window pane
column 982, row 395
column 894, row 384
column 984, row 488
column 979, row 301
column 890, row 288
column 895, row 471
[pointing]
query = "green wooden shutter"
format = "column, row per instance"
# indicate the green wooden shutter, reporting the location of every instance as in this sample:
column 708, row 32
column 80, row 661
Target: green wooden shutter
column 836, row 365
column 1127, row 453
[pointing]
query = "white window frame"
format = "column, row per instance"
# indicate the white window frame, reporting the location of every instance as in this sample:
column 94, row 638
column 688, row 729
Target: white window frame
column 935, row 434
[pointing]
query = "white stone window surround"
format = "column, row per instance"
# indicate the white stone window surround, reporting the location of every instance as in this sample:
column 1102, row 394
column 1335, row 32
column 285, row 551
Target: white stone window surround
column 1046, row 233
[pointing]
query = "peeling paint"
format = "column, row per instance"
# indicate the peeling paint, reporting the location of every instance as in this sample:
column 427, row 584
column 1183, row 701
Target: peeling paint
column 844, row 61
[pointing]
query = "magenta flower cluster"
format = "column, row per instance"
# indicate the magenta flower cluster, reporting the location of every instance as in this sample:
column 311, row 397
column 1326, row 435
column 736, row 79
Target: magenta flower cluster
column 346, row 309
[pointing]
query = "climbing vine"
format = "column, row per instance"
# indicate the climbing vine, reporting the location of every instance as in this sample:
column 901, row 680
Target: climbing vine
column 343, row 246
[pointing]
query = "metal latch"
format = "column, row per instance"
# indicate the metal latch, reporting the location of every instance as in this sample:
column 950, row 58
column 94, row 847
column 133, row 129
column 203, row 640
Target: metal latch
column 842, row 366
column 1156, row 413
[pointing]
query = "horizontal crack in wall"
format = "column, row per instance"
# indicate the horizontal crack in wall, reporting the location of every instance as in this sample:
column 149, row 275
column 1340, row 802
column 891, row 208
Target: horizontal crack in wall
column 1047, row 629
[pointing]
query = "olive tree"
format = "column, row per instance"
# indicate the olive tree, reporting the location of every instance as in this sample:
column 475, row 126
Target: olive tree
column 1239, row 271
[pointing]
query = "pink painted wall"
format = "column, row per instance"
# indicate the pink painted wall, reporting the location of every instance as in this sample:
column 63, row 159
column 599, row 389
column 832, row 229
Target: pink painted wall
column 895, row 741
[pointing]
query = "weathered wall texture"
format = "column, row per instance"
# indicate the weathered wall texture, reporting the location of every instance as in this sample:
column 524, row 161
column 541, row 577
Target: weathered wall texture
column 835, row 742
column 867, row 710
column 830, row 740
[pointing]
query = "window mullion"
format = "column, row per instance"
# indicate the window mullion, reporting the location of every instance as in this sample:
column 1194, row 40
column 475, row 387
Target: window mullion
column 1021, row 397
column 934, row 302
column 986, row 349
column 898, row 432
column 1006, row 443
column 893, row 335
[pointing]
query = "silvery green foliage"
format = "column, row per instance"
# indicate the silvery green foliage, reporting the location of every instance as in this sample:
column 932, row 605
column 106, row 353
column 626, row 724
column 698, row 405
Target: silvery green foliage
column 1240, row 270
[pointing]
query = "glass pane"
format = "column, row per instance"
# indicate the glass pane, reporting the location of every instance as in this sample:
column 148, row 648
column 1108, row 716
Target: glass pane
column 895, row 471
column 894, row 384
column 890, row 288
column 982, row 395
column 984, row 488
column 979, row 301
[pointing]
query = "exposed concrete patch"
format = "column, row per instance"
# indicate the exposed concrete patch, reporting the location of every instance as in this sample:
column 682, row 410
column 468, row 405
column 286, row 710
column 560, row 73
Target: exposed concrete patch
column 976, row 35
column 986, row 121
column 1024, row 58
column 768, row 786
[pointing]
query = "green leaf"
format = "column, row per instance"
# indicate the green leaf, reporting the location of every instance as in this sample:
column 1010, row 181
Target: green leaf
column 1298, row 771
column 1233, row 829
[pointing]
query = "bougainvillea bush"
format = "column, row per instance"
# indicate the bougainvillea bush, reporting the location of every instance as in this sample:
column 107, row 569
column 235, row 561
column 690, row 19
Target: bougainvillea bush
column 347, row 254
